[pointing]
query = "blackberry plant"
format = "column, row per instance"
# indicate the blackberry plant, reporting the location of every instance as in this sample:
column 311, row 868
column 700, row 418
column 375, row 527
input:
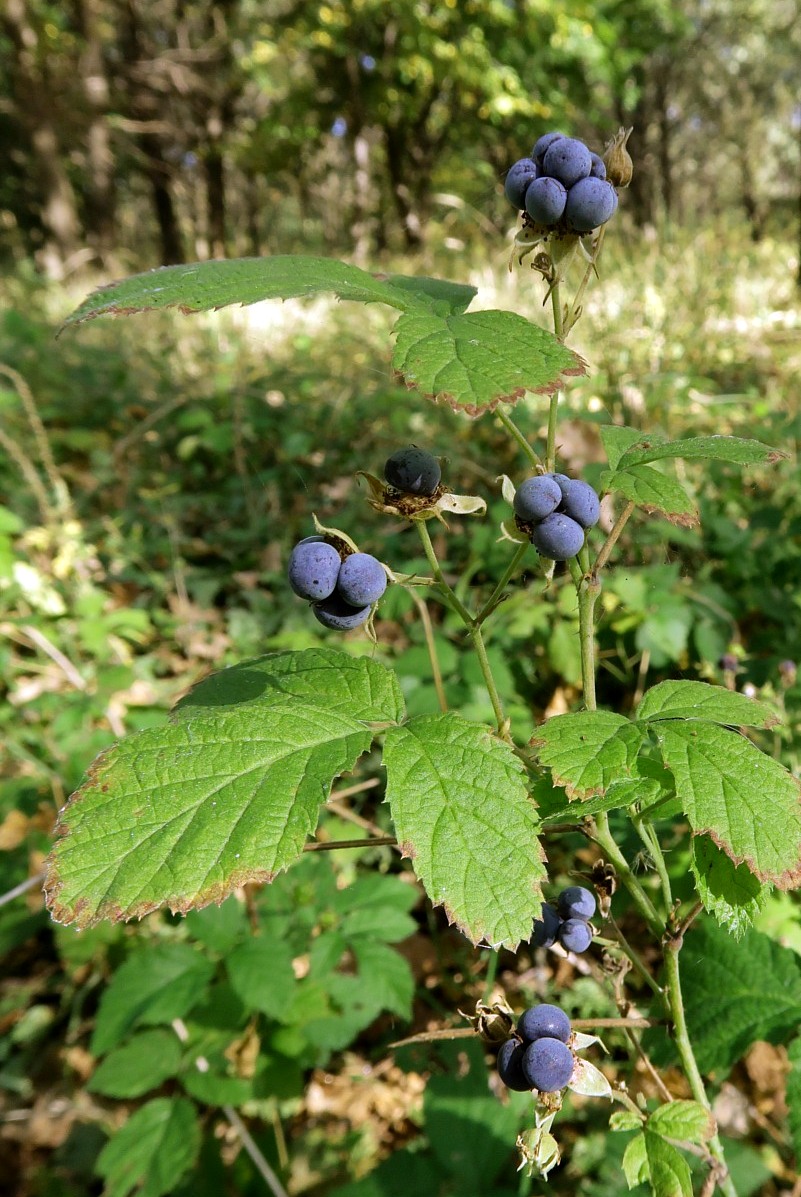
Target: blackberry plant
column 232, row 786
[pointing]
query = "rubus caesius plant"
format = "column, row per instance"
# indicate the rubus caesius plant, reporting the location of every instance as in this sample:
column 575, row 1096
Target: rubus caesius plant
column 229, row 790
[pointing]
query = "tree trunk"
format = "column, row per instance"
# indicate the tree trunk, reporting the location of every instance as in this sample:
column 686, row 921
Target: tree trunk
column 101, row 195
column 159, row 174
column 215, row 187
column 401, row 194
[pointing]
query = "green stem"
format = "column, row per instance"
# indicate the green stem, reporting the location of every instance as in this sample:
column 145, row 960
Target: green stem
column 675, row 1005
column 611, row 540
column 489, row 681
column 636, row 960
column 495, row 598
column 439, row 577
column 515, row 432
column 588, row 590
column 603, row 836
column 431, row 645
column 648, row 836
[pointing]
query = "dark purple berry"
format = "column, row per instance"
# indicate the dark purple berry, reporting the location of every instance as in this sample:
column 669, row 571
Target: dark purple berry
column 313, row 568
column 590, row 203
column 546, row 927
column 518, row 178
column 510, row 1066
column 548, row 1065
column 576, row 902
column 333, row 612
column 413, row 471
column 558, row 537
column 543, row 1022
column 537, row 497
column 542, row 145
column 580, row 502
column 575, row 935
column 362, row 580
column 545, row 200
column 598, row 169
column 567, row 160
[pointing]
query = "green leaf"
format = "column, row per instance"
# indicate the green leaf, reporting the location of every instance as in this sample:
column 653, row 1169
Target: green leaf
column 793, row 1095
column 704, row 448
column 464, row 817
column 654, row 492
column 625, row 1120
column 261, row 974
column 157, row 983
column 736, row 993
column 203, row 286
column 644, row 790
column 668, row 1169
column 635, row 1162
column 385, row 978
column 700, row 700
column 686, row 1120
column 228, row 794
column 143, row 1063
column 455, row 296
column 588, row 750
column 729, row 892
column 216, row 1089
column 473, row 361
column 152, row 1151
column 745, row 800
column 616, row 440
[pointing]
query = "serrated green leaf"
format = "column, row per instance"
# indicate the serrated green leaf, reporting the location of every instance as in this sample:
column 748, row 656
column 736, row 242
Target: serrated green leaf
column 181, row 815
column 635, row 1162
column 473, row 361
column 261, row 974
column 463, row 816
column 644, row 790
column 654, row 492
column 214, row 1089
column 588, row 750
column 625, row 1120
column 793, row 1094
column 142, row 1064
column 206, row 286
column 667, row 1167
column 616, row 440
column 156, row 984
column 745, row 800
column 385, row 978
column 685, row 1120
column 454, row 296
column 700, row 700
column 734, row 994
column 729, row 892
column 704, row 448
column 153, row 1150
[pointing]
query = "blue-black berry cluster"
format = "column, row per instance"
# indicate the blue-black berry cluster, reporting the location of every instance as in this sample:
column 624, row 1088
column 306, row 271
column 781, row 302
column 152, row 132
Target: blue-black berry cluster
column 556, row 511
column 568, row 921
column 341, row 589
column 562, row 186
column 537, row 1056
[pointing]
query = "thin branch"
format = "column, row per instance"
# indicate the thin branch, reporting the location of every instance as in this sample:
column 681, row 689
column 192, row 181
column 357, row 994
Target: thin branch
column 21, row 889
column 376, row 842
column 257, row 1159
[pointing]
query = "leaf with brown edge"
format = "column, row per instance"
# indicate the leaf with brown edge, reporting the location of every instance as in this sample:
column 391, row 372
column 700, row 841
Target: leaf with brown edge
column 746, row 801
column 475, row 360
column 587, row 751
column 183, row 814
column 654, row 492
column 464, row 817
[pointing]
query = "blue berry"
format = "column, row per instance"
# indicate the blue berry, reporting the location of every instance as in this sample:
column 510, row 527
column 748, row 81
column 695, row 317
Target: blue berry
column 567, row 160
column 543, row 1022
column 558, row 537
column 518, row 178
column 576, row 902
column 590, row 203
column 545, row 200
column 413, row 471
column 580, row 502
column 510, row 1066
column 575, row 935
column 540, row 146
column 313, row 568
column 333, row 612
column 537, row 497
column 598, row 168
column 546, row 927
column 362, row 580
column 548, row 1065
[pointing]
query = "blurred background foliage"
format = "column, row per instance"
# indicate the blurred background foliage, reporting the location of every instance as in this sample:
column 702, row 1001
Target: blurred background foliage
column 154, row 473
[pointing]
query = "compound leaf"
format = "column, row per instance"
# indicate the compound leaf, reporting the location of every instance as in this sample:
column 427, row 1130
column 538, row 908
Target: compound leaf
column 475, row 360
column 731, row 893
column 746, row 801
column 700, row 700
column 206, row 286
column 736, row 993
column 454, row 296
column 261, row 974
column 635, row 1162
column 704, row 448
column 464, row 817
column 644, row 790
column 667, row 1167
column 153, row 1150
column 685, row 1120
column 142, row 1064
column 588, row 750
column 183, row 814
column 654, row 492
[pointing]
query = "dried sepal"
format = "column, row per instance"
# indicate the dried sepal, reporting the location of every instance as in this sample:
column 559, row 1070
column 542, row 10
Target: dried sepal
column 494, row 1022
column 589, row 1080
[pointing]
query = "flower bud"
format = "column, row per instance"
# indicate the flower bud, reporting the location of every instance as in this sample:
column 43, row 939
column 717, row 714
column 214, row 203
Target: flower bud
column 617, row 160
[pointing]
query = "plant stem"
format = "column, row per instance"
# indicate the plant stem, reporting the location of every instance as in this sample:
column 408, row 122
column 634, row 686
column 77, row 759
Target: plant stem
column 489, row 681
column 675, row 1005
column 611, row 540
column 431, row 645
column 515, row 432
column 588, row 590
column 603, row 836
column 439, row 577
column 495, row 598
column 648, row 836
